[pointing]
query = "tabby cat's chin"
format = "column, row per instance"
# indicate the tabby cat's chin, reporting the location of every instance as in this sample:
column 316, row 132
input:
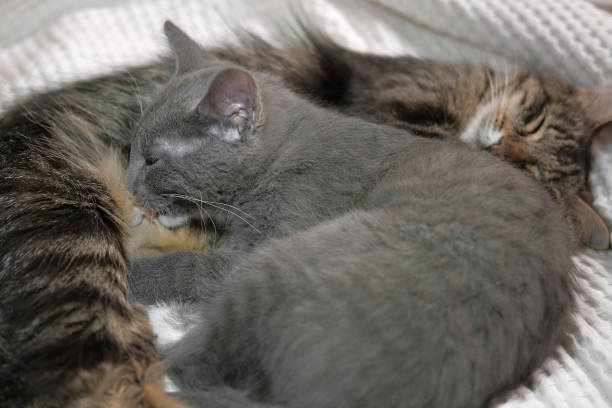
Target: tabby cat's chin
column 173, row 221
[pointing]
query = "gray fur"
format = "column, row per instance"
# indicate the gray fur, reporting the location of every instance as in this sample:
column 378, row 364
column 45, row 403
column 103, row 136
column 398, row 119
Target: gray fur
column 378, row 268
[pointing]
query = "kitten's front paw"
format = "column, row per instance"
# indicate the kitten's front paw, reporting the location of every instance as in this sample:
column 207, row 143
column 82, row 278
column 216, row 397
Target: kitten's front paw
column 140, row 287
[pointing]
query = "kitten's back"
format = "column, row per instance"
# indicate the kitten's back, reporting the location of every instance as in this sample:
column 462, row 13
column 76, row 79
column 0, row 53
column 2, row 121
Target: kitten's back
column 448, row 285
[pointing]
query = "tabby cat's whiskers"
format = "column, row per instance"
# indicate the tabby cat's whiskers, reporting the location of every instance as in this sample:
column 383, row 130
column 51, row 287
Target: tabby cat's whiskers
column 137, row 92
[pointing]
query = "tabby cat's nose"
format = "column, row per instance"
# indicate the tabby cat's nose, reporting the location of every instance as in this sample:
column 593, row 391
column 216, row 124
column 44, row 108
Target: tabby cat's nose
column 489, row 139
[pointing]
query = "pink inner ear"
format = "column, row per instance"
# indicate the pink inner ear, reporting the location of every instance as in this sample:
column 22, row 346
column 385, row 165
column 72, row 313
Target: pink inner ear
column 238, row 117
column 231, row 99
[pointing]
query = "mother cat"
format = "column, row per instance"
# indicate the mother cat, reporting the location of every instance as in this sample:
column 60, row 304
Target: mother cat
column 378, row 268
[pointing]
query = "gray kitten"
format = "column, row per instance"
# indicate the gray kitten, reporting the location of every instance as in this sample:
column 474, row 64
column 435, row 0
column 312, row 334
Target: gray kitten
column 367, row 267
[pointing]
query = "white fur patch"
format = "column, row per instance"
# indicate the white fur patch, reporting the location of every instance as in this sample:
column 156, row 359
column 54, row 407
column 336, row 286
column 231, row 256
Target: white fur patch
column 173, row 221
column 168, row 323
column 489, row 138
column 169, row 385
column 479, row 132
column 225, row 133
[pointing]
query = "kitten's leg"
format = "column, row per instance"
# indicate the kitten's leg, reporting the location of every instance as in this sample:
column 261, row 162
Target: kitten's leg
column 182, row 275
column 221, row 397
column 402, row 314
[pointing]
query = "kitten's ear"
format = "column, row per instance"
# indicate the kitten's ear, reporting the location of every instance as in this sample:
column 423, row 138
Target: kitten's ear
column 231, row 105
column 189, row 54
column 597, row 105
column 593, row 231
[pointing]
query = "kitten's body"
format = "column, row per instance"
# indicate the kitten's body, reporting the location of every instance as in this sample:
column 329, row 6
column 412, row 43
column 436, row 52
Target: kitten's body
column 379, row 268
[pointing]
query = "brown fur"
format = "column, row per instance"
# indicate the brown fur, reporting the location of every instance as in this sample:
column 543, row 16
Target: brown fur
column 150, row 238
column 72, row 337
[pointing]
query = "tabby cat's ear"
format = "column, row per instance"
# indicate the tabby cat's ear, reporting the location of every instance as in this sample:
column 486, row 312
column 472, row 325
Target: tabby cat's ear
column 189, row 55
column 597, row 105
column 230, row 106
column 594, row 231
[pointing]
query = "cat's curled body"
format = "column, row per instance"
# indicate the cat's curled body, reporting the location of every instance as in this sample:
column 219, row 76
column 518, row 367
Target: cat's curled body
column 378, row 268
column 69, row 336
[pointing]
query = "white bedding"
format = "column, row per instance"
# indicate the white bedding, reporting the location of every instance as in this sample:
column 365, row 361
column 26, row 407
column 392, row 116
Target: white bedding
column 44, row 44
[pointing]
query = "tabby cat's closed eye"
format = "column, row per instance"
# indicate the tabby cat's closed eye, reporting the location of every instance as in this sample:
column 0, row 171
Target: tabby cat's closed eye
column 532, row 122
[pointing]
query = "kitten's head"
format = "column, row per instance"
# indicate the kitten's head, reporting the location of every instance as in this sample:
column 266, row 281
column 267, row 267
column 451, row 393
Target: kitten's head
column 206, row 118
column 545, row 125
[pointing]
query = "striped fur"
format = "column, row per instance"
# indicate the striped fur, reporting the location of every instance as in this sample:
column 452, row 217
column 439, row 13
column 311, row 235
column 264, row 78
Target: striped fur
column 69, row 337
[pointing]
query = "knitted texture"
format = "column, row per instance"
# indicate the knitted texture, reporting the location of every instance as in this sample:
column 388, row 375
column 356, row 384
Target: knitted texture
column 570, row 36
column 46, row 44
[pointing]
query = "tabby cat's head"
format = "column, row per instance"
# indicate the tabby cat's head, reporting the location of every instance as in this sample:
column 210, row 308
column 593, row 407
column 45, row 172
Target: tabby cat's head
column 545, row 125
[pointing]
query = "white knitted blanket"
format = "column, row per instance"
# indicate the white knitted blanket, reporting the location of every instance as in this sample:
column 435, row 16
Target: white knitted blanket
column 45, row 44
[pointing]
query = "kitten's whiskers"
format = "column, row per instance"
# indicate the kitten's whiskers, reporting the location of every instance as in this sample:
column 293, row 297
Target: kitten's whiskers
column 217, row 206
column 201, row 208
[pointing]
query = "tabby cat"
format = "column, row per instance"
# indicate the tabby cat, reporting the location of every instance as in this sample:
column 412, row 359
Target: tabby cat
column 372, row 267
column 69, row 337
